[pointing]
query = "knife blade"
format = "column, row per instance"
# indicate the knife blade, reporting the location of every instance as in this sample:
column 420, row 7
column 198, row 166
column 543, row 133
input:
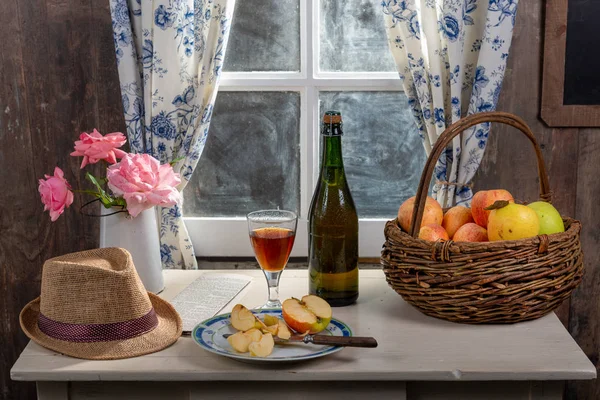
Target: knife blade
column 345, row 341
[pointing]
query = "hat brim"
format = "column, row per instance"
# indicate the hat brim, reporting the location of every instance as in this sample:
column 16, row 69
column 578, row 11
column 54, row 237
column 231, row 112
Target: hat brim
column 165, row 334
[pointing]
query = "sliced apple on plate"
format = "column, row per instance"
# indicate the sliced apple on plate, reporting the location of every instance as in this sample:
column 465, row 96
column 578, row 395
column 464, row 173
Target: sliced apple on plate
column 310, row 314
column 271, row 320
column 254, row 334
column 283, row 331
column 241, row 318
column 262, row 348
column 240, row 341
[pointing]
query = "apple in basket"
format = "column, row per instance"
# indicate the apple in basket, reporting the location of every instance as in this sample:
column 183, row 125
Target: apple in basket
column 550, row 219
column 433, row 213
column 433, row 233
column 311, row 314
column 471, row 232
column 456, row 217
column 510, row 221
column 485, row 198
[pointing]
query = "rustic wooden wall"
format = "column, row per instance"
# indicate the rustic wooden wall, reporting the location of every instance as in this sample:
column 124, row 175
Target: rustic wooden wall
column 572, row 159
column 58, row 78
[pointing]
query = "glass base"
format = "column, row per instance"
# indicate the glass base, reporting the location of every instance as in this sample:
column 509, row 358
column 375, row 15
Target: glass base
column 270, row 304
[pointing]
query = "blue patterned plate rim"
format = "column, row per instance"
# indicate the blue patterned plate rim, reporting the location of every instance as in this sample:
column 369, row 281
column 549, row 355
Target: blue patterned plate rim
column 205, row 332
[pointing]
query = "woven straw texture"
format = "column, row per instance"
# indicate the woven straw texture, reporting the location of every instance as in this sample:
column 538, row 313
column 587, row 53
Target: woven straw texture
column 490, row 282
column 98, row 286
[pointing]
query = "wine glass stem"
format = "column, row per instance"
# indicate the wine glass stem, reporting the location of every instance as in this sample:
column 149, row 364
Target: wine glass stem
column 273, row 285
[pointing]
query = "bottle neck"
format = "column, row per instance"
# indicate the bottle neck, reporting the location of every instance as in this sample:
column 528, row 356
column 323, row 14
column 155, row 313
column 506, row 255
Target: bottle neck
column 332, row 152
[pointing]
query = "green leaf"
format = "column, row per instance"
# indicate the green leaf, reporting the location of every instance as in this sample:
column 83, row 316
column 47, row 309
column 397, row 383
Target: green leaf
column 175, row 161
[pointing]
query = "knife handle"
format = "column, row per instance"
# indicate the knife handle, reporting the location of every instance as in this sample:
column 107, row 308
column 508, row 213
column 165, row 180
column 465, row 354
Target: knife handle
column 347, row 341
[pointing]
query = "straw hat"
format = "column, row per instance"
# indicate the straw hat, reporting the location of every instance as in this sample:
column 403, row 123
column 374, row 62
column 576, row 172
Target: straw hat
column 94, row 306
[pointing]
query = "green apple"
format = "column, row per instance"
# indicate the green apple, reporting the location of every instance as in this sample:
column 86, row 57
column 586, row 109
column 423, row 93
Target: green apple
column 550, row 219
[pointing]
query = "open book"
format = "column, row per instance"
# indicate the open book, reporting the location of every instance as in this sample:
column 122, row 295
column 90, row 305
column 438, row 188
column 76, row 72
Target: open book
column 206, row 296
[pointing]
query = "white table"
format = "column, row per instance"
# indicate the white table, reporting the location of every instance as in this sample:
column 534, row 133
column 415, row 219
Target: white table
column 418, row 358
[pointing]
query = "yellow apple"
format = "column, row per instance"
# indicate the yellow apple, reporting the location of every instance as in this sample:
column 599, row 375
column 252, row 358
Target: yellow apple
column 513, row 222
column 310, row 314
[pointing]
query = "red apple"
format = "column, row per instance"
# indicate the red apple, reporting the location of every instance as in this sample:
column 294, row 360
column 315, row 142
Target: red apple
column 456, row 217
column 310, row 314
column 433, row 232
column 433, row 213
column 471, row 233
column 485, row 198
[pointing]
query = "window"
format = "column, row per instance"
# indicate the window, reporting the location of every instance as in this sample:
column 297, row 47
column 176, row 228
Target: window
column 287, row 62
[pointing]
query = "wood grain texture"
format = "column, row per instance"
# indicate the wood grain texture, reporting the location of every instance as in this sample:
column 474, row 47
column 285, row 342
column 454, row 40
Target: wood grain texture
column 553, row 111
column 508, row 164
column 411, row 346
column 585, row 313
column 51, row 88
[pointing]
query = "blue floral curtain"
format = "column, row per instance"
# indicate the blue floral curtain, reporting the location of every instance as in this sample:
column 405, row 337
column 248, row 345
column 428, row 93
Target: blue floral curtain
column 451, row 56
column 169, row 55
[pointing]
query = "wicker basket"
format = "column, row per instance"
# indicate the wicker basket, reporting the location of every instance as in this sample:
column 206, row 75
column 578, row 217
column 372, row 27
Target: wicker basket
column 490, row 282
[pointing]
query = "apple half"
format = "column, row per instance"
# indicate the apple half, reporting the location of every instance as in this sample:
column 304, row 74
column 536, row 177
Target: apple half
column 311, row 314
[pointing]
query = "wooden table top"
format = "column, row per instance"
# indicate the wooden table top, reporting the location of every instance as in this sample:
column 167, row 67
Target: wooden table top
column 412, row 346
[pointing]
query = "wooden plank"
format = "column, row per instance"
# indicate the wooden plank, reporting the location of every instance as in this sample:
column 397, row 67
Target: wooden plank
column 412, row 346
column 53, row 391
column 108, row 89
column 19, row 208
column 585, row 313
column 553, row 111
column 562, row 170
column 236, row 390
column 484, row 390
column 48, row 94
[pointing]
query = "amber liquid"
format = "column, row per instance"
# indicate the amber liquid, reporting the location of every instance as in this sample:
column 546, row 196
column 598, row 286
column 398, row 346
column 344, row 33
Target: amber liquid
column 272, row 247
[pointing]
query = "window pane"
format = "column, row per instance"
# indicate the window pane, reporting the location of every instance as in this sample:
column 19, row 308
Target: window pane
column 383, row 153
column 265, row 36
column 252, row 156
column 353, row 37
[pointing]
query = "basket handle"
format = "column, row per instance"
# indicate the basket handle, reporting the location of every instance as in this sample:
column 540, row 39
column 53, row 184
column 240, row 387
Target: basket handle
column 454, row 130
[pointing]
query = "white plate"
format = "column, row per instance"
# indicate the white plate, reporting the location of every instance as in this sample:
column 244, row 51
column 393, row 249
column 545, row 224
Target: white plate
column 209, row 336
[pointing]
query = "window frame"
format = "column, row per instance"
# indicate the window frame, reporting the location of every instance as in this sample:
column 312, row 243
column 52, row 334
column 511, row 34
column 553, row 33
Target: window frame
column 228, row 237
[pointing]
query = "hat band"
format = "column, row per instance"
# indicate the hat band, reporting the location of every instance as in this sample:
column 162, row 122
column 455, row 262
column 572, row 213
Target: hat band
column 84, row 333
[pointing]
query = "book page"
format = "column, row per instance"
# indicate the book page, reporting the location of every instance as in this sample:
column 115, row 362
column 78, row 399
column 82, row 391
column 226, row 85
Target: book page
column 206, row 296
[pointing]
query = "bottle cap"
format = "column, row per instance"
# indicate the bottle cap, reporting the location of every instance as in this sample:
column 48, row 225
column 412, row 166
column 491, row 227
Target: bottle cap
column 332, row 117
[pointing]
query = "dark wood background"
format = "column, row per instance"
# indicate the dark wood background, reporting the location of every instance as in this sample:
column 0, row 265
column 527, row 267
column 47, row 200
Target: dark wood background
column 58, row 77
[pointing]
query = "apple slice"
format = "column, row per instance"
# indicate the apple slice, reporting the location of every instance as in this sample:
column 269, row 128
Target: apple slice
column 283, row 331
column 242, row 319
column 262, row 348
column 311, row 314
column 254, row 334
column 271, row 329
column 240, row 341
column 271, row 320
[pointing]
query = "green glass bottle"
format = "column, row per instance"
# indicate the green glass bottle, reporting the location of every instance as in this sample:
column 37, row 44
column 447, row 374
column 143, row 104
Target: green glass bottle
column 333, row 224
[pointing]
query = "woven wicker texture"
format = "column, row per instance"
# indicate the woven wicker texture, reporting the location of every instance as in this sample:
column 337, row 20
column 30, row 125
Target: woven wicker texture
column 490, row 282
column 99, row 286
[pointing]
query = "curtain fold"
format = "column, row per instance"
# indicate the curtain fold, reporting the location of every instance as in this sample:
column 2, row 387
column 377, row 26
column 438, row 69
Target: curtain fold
column 451, row 56
column 169, row 55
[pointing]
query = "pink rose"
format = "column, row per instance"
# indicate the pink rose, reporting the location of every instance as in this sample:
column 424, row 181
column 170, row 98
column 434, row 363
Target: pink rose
column 56, row 193
column 143, row 182
column 95, row 147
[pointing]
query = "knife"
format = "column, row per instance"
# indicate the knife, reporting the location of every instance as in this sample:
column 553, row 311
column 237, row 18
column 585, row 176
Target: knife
column 345, row 341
